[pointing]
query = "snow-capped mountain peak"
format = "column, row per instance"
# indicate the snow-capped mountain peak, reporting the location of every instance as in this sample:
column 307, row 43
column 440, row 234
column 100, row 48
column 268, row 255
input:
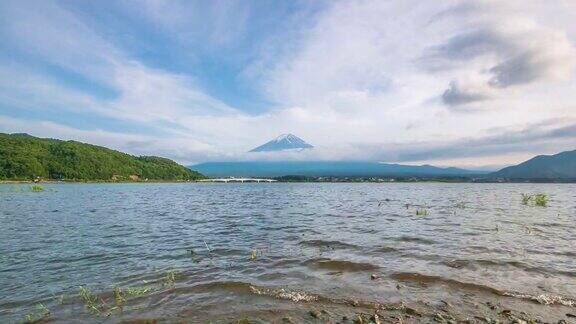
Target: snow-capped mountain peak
column 283, row 142
column 287, row 137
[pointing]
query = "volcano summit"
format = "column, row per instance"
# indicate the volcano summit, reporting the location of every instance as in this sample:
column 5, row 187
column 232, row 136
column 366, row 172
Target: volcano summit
column 282, row 143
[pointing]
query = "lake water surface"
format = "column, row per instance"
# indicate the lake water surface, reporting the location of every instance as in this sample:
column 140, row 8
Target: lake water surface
column 305, row 252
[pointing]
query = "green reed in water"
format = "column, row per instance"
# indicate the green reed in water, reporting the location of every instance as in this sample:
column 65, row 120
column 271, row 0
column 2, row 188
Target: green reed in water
column 31, row 188
column 36, row 188
column 526, row 199
column 61, row 299
column 253, row 254
column 138, row 291
column 45, row 311
column 536, row 199
column 91, row 301
column 541, row 200
column 170, row 278
column 34, row 317
column 461, row 205
column 119, row 296
column 99, row 306
column 421, row 212
column 29, row 318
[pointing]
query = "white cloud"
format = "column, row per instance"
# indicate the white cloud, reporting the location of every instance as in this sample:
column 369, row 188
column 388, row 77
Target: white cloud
column 367, row 80
column 152, row 97
column 495, row 47
column 380, row 72
column 146, row 94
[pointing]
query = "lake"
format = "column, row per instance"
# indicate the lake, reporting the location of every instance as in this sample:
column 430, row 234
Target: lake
column 287, row 252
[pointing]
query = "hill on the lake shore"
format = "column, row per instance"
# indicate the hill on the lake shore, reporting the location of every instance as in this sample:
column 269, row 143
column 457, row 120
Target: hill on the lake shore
column 323, row 168
column 24, row 157
column 545, row 167
column 558, row 167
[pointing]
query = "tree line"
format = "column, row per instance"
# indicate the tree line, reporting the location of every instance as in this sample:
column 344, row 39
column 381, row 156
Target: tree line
column 24, row 157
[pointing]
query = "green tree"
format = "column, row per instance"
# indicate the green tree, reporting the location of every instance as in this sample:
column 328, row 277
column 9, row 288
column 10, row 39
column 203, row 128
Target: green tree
column 24, row 157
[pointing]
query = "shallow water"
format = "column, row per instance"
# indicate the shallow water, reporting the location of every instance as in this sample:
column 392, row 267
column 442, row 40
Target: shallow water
column 265, row 252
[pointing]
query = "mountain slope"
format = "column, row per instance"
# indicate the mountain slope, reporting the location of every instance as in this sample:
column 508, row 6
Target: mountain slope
column 24, row 157
column 283, row 142
column 558, row 166
column 322, row 168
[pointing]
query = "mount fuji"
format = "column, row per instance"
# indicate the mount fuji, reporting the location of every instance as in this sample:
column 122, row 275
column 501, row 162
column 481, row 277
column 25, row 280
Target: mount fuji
column 282, row 143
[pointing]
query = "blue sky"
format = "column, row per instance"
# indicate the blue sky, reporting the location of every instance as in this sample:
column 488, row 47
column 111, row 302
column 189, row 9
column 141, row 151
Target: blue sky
column 466, row 83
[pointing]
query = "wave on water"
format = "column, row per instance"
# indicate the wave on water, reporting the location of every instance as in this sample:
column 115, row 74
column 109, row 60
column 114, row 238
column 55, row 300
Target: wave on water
column 474, row 264
column 426, row 279
column 295, row 296
column 244, row 287
column 414, row 239
column 303, row 296
column 384, row 249
column 544, row 299
column 339, row 265
column 328, row 244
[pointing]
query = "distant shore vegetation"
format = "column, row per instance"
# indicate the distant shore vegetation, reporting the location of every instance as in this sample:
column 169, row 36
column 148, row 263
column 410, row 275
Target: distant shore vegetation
column 27, row 158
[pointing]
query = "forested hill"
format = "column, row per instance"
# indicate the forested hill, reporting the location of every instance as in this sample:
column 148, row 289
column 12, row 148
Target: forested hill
column 560, row 166
column 24, row 157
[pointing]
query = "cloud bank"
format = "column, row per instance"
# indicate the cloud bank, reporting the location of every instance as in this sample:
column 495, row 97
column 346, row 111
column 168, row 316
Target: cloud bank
column 459, row 82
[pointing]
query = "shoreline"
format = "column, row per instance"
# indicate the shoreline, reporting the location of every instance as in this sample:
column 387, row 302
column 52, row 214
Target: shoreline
column 281, row 181
column 89, row 181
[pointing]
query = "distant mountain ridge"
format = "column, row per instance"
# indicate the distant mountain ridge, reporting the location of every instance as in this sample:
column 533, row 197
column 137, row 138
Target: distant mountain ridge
column 545, row 167
column 282, row 143
column 323, row 168
column 25, row 157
